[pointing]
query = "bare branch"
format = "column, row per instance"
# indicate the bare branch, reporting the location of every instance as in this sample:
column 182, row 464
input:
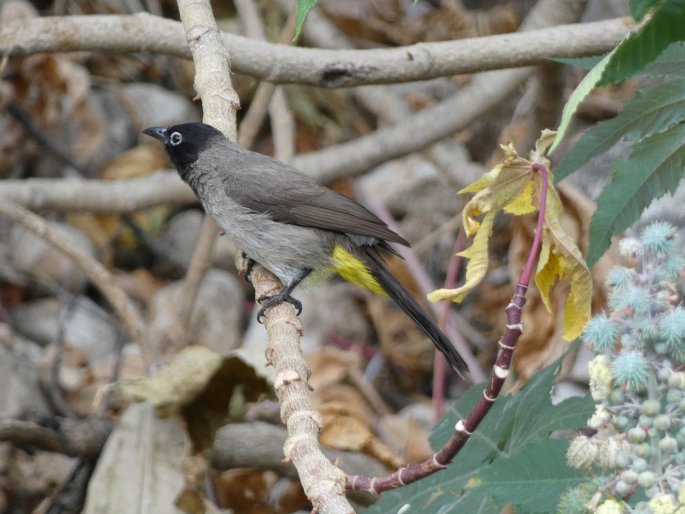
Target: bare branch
column 484, row 92
column 265, row 98
column 326, row 68
column 96, row 272
column 98, row 195
column 75, row 438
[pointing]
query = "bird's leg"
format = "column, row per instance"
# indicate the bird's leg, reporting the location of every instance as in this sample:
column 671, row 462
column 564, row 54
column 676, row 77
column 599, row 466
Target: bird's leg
column 284, row 296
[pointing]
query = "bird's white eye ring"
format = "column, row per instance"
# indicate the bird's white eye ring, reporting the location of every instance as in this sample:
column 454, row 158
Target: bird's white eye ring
column 175, row 138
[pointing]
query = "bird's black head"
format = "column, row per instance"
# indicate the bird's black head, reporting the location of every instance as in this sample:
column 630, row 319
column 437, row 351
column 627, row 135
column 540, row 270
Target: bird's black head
column 184, row 142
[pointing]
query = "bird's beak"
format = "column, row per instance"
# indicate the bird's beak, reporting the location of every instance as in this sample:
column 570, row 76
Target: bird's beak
column 158, row 133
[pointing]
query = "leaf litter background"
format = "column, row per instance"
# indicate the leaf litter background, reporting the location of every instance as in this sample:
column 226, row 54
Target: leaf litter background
column 64, row 357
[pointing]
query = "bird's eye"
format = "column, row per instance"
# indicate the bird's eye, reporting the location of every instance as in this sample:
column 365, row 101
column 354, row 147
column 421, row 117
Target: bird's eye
column 175, row 138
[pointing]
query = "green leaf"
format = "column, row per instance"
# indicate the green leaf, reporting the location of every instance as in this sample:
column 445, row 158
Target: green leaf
column 301, row 10
column 524, row 420
column 644, row 45
column 638, row 8
column 652, row 110
column 582, row 90
column 521, row 477
column 670, row 63
column 580, row 62
column 655, row 168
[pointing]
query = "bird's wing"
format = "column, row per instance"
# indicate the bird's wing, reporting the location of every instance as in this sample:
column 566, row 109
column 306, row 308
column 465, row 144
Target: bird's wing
column 289, row 196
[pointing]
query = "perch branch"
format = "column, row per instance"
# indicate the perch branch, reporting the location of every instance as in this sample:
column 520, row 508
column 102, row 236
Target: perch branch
column 323, row 483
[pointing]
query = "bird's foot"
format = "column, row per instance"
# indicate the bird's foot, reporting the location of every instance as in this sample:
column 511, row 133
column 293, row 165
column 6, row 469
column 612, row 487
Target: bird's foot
column 271, row 301
column 248, row 267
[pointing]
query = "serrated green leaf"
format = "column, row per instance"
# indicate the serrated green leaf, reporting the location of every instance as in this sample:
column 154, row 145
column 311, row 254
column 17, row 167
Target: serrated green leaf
column 652, row 110
column 514, row 422
column 301, row 10
column 644, row 45
column 579, row 93
column 638, row 8
column 655, row 168
column 532, row 478
column 670, row 63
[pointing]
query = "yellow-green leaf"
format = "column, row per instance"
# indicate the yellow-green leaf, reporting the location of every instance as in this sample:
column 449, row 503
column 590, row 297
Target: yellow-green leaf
column 564, row 261
column 549, row 270
column 477, row 254
column 512, row 186
column 524, row 203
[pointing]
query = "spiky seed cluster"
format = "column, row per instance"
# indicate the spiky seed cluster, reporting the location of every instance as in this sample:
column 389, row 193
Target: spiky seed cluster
column 637, row 382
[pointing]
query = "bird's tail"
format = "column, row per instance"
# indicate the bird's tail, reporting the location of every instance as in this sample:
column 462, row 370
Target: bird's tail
column 374, row 260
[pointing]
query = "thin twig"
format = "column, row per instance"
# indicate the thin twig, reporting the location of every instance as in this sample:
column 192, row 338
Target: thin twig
column 95, row 271
column 54, row 389
column 366, row 388
column 282, row 126
column 440, row 365
column 198, row 266
column 262, row 99
column 23, row 118
column 75, row 438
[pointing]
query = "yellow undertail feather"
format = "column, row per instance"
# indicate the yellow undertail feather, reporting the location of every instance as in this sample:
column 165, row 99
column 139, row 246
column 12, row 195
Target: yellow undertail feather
column 353, row 270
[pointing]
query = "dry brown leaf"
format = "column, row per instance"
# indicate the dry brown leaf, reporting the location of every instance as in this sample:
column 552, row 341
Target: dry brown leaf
column 330, row 365
column 137, row 162
column 36, row 475
column 343, row 399
column 346, row 432
column 246, row 490
column 401, row 341
column 54, row 90
column 347, row 423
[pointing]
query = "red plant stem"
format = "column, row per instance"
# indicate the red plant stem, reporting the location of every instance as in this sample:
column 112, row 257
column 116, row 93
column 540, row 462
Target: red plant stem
column 535, row 248
column 465, row 427
column 439, row 362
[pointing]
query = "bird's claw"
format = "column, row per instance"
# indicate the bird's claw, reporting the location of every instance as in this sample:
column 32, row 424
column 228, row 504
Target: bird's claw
column 271, row 301
column 248, row 267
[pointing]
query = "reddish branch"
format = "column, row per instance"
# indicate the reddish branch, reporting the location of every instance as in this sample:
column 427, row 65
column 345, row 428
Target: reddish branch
column 465, row 427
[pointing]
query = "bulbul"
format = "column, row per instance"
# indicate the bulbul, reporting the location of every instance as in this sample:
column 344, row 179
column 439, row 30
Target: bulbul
column 288, row 223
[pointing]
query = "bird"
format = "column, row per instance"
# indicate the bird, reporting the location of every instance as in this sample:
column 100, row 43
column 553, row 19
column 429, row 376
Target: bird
column 290, row 224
